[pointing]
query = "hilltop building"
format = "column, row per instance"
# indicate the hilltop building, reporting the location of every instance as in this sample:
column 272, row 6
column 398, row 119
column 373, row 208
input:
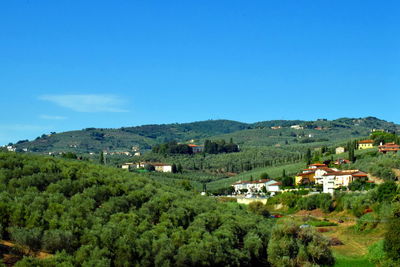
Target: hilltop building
column 365, row 144
column 297, row 127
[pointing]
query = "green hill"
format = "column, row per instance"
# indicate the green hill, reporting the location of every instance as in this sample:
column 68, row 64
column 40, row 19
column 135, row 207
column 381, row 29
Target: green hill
column 245, row 134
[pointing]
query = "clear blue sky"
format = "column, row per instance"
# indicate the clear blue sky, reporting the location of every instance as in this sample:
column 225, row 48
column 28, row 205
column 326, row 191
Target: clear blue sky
column 68, row 65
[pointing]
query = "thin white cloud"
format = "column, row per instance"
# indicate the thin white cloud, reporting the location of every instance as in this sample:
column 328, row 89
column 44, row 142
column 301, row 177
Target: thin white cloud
column 51, row 117
column 87, row 103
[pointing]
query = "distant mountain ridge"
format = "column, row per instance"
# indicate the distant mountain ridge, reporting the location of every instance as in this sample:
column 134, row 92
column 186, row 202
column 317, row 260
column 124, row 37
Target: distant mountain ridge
column 259, row 133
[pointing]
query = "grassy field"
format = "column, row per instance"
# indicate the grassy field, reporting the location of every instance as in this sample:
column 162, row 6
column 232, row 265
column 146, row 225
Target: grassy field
column 353, row 252
column 357, row 261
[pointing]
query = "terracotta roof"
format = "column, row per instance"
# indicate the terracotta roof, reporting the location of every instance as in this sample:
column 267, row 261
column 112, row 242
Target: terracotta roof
column 360, row 174
column 305, row 173
column 369, row 141
column 193, row 145
column 389, row 146
column 339, row 173
column 253, row 182
column 277, row 183
column 354, row 173
column 317, row 164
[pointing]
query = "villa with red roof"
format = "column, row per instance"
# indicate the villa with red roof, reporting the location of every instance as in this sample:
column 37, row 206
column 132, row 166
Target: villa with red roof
column 366, row 144
column 336, row 179
column 389, row 147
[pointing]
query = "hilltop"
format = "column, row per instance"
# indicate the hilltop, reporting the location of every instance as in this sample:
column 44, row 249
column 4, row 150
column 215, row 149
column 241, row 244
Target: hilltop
column 265, row 133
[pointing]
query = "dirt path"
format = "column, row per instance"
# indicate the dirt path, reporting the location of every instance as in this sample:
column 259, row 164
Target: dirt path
column 9, row 256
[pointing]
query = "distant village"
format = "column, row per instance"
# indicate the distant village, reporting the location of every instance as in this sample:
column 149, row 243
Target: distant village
column 318, row 174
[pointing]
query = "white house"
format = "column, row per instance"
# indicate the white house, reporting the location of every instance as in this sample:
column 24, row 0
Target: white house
column 11, row 148
column 127, row 165
column 340, row 150
column 297, row 127
column 336, row 179
column 257, row 186
column 319, row 174
column 159, row 167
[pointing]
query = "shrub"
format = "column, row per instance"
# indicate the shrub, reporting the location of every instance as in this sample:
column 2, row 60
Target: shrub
column 259, row 208
column 376, row 253
column 391, row 244
column 291, row 246
column 366, row 222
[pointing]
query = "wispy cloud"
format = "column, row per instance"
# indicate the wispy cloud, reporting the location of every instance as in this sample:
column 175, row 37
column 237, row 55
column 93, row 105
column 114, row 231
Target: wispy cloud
column 51, row 117
column 88, row 103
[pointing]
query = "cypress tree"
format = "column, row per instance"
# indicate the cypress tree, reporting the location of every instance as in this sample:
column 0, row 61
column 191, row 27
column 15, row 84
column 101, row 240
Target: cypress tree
column 308, row 156
column 101, row 160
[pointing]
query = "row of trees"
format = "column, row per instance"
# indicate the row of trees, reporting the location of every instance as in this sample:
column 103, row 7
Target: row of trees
column 220, row 146
column 172, row 148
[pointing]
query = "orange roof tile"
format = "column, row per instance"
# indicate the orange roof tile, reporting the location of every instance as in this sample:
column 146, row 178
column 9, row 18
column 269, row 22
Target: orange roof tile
column 369, row 141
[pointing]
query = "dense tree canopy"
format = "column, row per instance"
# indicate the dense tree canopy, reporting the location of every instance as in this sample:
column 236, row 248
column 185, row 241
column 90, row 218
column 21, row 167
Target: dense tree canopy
column 91, row 215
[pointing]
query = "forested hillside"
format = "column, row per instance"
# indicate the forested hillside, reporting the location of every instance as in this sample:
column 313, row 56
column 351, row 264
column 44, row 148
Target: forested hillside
column 244, row 134
column 91, row 215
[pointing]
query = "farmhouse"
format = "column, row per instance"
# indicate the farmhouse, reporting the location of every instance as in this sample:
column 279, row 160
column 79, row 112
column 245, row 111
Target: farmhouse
column 297, row 127
column 340, row 150
column 196, row 148
column 366, row 144
column 159, row 167
column 389, row 147
column 127, row 165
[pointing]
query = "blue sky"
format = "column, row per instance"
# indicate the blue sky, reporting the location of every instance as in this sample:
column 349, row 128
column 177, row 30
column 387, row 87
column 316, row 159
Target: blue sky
column 68, row 65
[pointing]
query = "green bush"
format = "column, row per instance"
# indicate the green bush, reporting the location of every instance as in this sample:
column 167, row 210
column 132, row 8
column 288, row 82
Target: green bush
column 376, row 252
column 291, row 246
column 366, row 222
column 322, row 201
column 259, row 208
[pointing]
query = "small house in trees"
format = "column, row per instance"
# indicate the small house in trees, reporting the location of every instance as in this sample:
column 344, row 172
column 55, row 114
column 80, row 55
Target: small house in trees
column 128, row 165
column 340, row 150
column 389, row 147
column 366, row 144
column 196, row 148
column 158, row 167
